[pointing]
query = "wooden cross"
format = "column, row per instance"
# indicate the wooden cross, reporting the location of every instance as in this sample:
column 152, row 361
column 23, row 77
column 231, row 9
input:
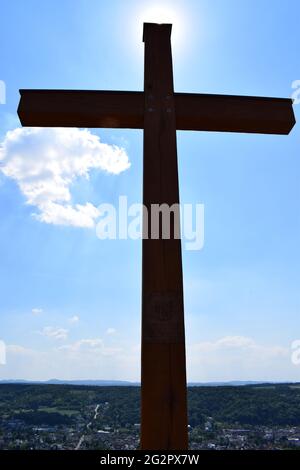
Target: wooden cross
column 159, row 112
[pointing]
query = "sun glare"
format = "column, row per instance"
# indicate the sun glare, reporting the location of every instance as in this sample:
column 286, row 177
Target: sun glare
column 163, row 14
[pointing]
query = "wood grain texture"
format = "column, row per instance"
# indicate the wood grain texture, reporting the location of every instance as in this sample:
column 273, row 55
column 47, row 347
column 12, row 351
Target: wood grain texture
column 164, row 408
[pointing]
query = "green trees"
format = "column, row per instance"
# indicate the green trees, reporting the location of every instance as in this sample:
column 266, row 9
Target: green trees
column 274, row 405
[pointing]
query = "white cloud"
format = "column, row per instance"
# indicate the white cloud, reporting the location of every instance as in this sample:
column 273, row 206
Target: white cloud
column 237, row 358
column 223, row 359
column 93, row 346
column 83, row 344
column 36, row 311
column 54, row 333
column 19, row 350
column 44, row 162
column 8, row 121
column 76, row 216
column 233, row 343
column 74, row 319
column 111, row 331
column 84, row 359
column 90, row 343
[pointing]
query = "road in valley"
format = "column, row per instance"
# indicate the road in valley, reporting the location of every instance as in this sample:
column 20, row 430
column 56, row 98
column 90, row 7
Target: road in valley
column 88, row 426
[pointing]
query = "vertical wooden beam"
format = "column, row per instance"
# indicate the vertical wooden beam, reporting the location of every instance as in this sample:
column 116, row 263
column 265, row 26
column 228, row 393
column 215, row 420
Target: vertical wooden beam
column 164, row 409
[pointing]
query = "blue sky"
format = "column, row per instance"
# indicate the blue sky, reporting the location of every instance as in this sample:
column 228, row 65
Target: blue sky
column 69, row 302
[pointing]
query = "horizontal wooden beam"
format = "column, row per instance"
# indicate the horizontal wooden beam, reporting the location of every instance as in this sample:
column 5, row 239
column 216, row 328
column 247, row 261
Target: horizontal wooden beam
column 70, row 108
column 125, row 109
column 226, row 113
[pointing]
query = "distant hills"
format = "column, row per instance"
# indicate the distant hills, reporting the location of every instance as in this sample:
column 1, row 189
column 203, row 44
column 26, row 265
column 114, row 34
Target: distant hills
column 124, row 383
column 100, row 383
